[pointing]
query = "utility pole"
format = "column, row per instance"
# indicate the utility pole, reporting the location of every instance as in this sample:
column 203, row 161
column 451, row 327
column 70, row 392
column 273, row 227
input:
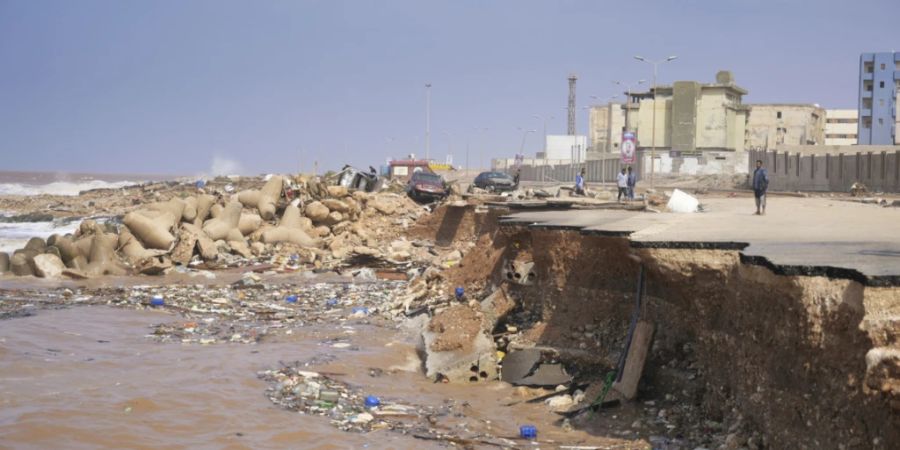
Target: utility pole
column 427, row 120
column 653, row 131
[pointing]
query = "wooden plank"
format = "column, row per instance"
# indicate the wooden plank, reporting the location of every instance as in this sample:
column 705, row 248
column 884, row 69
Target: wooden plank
column 634, row 361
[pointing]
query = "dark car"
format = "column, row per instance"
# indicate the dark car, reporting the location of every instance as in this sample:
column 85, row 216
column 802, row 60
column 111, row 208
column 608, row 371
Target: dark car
column 426, row 186
column 495, row 182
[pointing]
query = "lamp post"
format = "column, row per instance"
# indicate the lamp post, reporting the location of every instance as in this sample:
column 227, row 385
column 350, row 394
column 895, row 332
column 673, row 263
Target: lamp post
column 427, row 120
column 524, row 135
column 545, row 119
column 655, row 65
column 449, row 141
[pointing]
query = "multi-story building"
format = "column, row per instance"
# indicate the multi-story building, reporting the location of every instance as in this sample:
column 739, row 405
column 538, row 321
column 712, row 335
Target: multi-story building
column 879, row 81
column 841, row 126
column 770, row 125
column 691, row 116
column 606, row 124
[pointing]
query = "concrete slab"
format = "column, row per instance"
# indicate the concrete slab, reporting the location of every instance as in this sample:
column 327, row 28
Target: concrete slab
column 796, row 236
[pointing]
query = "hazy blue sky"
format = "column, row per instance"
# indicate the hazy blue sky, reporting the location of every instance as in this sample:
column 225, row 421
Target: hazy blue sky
column 167, row 86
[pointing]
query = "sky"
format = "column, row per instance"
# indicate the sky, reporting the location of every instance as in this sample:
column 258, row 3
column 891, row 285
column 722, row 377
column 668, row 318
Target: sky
column 189, row 87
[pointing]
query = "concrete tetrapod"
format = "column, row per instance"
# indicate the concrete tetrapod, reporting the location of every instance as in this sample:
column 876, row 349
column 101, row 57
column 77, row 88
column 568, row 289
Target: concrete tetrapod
column 153, row 233
column 268, row 195
column 249, row 223
column 71, row 254
column 103, row 259
column 290, row 230
column 219, row 227
column 204, row 203
column 4, row 262
column 190, row 209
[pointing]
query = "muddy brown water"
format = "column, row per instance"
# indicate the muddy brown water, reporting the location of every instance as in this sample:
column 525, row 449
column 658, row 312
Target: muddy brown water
column 89, row 377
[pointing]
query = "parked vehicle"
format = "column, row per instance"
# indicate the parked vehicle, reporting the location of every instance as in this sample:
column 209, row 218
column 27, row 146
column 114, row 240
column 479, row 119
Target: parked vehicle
column 425, row 186
column 352, row 178
column 495, row 182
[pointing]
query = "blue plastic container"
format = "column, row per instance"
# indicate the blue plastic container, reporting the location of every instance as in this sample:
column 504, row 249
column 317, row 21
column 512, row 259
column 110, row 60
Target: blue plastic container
column 361, row 309
column 200, row 184
column 331, row 302
column 528, row 432
column 157, row 300
column 459, row 293
column 372, row 401
column 291, row 299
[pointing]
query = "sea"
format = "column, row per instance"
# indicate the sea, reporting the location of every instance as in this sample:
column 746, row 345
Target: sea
column 15, row 235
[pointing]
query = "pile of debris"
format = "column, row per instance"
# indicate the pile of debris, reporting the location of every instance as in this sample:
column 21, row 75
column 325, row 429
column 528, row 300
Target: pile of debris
column 320, row 224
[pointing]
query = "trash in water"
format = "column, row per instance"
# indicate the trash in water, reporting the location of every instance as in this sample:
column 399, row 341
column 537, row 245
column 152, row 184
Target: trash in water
column 372, row 401
column 157, row 300
column 291, row 299
column 528, row 432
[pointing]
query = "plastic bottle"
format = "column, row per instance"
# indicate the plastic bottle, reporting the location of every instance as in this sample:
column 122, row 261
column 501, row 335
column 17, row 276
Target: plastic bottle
column 528, row 431
column 157, row 300
column 372, row 401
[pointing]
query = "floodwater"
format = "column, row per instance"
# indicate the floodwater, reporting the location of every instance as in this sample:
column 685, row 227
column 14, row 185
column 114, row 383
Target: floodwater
column 89, row 377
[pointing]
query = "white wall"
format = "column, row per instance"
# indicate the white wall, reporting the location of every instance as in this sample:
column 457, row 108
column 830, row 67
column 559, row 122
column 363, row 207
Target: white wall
column 567, row 147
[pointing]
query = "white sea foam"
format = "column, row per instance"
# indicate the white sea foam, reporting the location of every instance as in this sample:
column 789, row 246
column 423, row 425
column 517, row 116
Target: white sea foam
column 14, row 236
column 59, row 187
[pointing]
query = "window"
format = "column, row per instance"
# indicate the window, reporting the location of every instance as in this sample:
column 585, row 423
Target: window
column 881, row 84
column 880, row 121
column 882, row 66
column 880, row 102
column 778, row 114
column 868, row 67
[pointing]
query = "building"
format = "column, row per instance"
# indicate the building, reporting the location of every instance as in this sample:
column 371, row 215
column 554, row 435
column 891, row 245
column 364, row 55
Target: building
column 841, row 126
column 771, row 125
column 565, row 147
column 606, row 124
column 699, row 126
column 879, row 80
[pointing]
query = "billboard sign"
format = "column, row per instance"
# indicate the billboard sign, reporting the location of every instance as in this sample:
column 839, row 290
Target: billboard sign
column 628, row 147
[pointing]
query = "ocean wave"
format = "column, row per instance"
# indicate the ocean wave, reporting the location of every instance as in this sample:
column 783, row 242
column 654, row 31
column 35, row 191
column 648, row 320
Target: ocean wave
column 60, row 187
column 15, row 235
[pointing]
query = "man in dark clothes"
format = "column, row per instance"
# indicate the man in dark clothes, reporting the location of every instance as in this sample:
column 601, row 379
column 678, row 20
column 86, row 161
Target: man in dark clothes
column 760, row 185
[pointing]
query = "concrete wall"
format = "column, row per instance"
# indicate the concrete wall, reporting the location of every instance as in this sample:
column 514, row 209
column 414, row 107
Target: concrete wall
column 562, row 146
column 835, row 172
column 703, row 163
column 798, row 124
column 712, row 120
column 645, row 121
column 598, row 171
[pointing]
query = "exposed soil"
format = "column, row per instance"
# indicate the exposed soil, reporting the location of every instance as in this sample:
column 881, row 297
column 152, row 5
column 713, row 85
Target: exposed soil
column 456, row 325
column 741, row 356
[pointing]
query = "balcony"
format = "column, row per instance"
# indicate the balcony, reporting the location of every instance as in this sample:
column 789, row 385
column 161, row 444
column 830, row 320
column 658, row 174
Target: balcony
column 865, row 113
column 867, row 94
column 868, row 76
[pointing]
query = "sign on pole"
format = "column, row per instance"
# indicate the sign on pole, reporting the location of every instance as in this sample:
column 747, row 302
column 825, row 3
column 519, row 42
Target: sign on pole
column 628, row 147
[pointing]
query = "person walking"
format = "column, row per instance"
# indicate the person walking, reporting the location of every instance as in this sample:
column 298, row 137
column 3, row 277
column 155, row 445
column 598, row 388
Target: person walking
column 760, row 185
column 622, row 183
column 631, row 182
column 579, row 182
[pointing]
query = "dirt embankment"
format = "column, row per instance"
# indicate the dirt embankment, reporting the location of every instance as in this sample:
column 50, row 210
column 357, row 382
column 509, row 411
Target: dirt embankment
column 787, row 361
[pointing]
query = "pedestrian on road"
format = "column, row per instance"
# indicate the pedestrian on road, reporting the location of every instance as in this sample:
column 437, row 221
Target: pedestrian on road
column 516, row 177
column 760, row 185
column 632, row 180
column 579, row 183
column 622, row 183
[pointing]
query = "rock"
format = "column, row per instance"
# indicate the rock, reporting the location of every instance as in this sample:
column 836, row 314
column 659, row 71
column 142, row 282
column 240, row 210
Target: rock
column 361, row 196
column 333, row 218
column 362, row 418
column 48, row 266
column 383, row 204
column 733, row 441
column 240, row 248
column 37, row 244
column 156, row 265
column 560, row 402
column 336, row 205
column 337, row 191
column 258, row 248
column 316, row 211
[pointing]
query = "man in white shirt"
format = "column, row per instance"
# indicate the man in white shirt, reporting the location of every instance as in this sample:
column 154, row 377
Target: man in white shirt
column 622, row 183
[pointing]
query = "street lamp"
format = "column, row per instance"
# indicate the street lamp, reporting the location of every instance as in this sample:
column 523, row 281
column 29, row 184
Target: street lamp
column 545, row 119
column 653, row 124
column 427, row 120
column 449, row 141
column 524, row 135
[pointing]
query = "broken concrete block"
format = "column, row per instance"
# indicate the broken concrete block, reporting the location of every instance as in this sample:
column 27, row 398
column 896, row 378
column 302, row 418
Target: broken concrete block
column 48, row 266
column 635, row 359
column 336, row 205
column 383, row 204
column 37, row 244
column 457, row 347
column 519, row 272
column 526, row 368
column 682, row 202
column 154, row 265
